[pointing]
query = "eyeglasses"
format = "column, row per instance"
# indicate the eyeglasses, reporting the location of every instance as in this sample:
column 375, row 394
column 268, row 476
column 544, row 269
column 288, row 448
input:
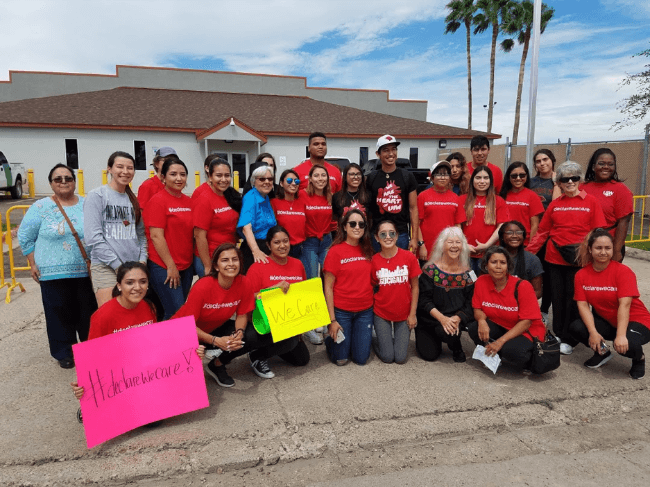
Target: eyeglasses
column 388, row 234
column 510, row 233
column 606, row 164
column 354, row 224
column 354, row 175
column 571, row 179
column 292, row 180
column 521, row 175
column 441, row 176
column 265, row 180
column 62, row 179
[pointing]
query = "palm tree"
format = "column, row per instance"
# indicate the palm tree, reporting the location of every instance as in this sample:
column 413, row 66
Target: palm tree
column 462, row 12
column 519, row 23
column 492, row 13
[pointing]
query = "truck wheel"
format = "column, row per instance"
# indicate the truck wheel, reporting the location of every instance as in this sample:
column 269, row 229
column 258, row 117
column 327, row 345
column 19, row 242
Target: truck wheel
column 17, row 189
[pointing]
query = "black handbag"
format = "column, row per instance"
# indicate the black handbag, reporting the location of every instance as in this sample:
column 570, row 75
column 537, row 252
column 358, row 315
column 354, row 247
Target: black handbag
column 546, row 354
column 568, row 252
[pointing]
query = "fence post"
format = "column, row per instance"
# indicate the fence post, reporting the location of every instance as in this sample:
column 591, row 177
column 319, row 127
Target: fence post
column 80, row 177
column 644, row 165
column 151, row 173
column 235, row 180
column 2, row 254
column 104, row 176
column 197, row 179
column 568, row 150
column 12, row 268
column 506, row 156
column 30, row 183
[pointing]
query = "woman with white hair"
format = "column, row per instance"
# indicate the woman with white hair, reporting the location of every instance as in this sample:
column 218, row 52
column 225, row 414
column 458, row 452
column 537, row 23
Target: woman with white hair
column 256, row 217
column 566, row 222
column 445, row 301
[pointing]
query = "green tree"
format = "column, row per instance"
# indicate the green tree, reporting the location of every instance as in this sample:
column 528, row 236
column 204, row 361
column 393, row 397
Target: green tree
column 491, row 15
column 636, row 107
column 462, row 13
column 519, row 23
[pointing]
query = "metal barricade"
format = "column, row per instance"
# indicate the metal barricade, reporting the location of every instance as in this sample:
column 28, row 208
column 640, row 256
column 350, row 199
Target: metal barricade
column 12, row 267
column 640, row 228
column 2, row 257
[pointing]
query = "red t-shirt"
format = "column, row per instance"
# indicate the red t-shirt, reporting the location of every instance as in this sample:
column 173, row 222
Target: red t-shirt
column 211, row 305
column 200, row 191
column 148, row 189
column 213, row 213
column 476, row 230
column 291, row 216
column 113, row 317
column 615, row 199
column 567, row 220
column 302, row 170
column 602, row 290
column 318, row 213
column 438, row 211
column 393, row 276
column 502, row 307
column 263, row 276
column 351, row 269
column 522, row 206
column 174, row 216
column 496, row 174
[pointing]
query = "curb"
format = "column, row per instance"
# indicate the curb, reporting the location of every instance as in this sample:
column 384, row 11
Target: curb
column 637, row 253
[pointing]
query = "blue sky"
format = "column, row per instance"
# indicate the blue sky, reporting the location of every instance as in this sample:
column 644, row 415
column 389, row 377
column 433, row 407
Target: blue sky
column 377, row 44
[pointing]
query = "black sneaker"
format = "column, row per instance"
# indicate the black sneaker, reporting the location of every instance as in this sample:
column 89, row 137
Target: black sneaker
column 597, row 360
column 79, row 416
column 262, row 369
column 459, row 356
column 66, row 363
column 219, row 374
column 638, row 369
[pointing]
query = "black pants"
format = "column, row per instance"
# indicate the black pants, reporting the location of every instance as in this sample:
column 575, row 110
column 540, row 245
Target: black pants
column 546, row 280
column 68, row 305
column 637, row 334
column 565, row 309
column 260, row 347
column 429, row 339
column 247, row 253
column 518, row 351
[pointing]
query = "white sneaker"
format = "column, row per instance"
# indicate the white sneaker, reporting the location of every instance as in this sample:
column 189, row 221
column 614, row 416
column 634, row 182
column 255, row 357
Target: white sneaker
column 262, row 369
column 313, row 337
column 566, row 349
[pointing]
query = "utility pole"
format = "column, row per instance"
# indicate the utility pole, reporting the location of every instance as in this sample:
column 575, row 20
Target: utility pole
column 532, row 99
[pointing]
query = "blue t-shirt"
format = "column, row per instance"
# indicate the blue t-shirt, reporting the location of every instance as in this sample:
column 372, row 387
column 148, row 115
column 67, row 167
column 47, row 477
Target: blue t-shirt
column 256, row 210
column 45, row 232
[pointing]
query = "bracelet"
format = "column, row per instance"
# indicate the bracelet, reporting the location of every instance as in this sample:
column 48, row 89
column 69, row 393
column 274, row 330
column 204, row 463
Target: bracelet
column 213, row 339
column 237, row 330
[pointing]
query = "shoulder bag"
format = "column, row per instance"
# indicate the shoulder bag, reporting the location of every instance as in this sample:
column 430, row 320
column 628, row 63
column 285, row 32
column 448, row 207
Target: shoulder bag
column 74, row 233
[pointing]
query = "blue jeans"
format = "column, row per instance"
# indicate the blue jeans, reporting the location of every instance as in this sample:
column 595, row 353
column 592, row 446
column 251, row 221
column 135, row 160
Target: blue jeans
column 171, row 299
column 475, row 265
column 296, row 251
column 403, row 240
column 198, row 266
column 357, row 329
column 313, row 254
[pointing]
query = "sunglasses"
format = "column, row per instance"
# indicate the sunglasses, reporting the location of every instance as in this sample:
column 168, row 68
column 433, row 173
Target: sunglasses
column 353, row 224
column 265, row 180
column 355, row 175
column 606, row 164
column 521, row 175
column 292, row 181
column 570, row 179
column 62, row 179
column 388, row 234
column 510, row 233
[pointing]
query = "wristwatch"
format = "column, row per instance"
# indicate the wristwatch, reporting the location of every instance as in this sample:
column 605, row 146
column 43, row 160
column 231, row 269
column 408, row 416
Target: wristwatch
column 420, row 243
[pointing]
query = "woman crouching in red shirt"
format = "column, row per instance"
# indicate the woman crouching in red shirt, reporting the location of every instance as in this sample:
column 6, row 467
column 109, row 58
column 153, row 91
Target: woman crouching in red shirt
column 505, row 310
column 348, row 291
column 618, row 314
column 212, row 301
column 128, row 309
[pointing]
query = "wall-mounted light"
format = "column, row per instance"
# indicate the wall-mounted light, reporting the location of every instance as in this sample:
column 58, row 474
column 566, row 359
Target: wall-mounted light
column 232, row 122
column 443, row 143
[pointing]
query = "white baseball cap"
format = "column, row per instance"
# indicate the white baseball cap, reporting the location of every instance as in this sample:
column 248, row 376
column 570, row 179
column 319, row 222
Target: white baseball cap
column 385, row 140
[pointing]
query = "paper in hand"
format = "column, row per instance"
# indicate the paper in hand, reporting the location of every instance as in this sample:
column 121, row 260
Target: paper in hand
column 491, row 363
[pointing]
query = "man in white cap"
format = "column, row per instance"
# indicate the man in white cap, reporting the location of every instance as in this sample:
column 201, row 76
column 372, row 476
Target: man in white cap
column 393, row 195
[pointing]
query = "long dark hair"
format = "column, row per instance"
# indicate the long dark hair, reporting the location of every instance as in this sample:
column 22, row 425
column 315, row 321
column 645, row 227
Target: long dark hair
column 341, row 234
column 520, row 262
column 584, row 256
column 547, row 152
column 590, row 175
column 507, row 183
column 129, row 192
column 327, row 190
column 463, row 182
column 273, row 231
column 363, row 196
column 121, row 273
column 490, row 216
column 233, row 197
column 217, row 253
column 283, row 176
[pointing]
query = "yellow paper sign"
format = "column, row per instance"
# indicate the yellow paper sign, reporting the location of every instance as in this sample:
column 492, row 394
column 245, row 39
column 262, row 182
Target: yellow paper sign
column 302, row 309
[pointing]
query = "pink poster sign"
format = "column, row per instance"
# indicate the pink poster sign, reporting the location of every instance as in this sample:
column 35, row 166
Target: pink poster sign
column 138, row 376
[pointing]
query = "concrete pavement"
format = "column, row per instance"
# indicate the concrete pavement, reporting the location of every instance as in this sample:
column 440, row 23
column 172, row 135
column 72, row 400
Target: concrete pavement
column 314, row 414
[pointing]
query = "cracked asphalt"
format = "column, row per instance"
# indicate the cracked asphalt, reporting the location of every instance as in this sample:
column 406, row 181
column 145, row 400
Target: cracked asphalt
column 325, row 425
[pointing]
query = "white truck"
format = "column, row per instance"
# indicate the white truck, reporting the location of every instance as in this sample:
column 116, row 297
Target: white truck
column 12, row 177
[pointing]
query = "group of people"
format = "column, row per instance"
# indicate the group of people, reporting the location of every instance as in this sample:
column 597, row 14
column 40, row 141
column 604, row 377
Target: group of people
column 472, row 253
